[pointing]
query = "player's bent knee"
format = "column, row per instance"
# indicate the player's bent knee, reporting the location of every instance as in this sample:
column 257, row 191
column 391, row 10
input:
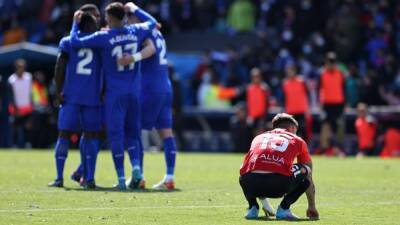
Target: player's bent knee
column 65, row 134
column 166, row 133
column 91, row 134
column 300, row 171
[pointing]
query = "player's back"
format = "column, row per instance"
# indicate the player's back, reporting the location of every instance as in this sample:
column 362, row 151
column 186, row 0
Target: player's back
column 121, row 79
column 155, row 69
column 83, row 80
column 275, row 151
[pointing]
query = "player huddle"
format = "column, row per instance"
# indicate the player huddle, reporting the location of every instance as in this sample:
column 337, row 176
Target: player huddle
column 115, row 80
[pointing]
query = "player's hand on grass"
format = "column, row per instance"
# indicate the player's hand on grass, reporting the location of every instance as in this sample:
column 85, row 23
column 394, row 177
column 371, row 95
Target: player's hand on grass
column 78, row 16
column 312, row 213
column 126, row 59
column 130, row 7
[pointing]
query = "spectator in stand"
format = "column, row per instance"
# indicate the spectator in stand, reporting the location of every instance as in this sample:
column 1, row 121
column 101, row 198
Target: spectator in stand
column 15, row 34
column 352, row 87
column 21, row 106
column 241, row 132
column 212, row 94
column 176, row 107
column 242, row 16
column 332, row 98
column 257, row 96
column 366, row 128
column 296, row 98
column 391, row 146
column 41, row 111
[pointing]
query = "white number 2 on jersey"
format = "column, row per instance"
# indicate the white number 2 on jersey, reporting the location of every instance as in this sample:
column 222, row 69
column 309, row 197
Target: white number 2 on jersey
column 117, row 51
column 161, row 44
column 87, row 55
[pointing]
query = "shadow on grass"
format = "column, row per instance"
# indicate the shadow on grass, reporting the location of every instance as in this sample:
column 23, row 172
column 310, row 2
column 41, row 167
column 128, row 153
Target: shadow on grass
column 114, row 189
column 276, row 220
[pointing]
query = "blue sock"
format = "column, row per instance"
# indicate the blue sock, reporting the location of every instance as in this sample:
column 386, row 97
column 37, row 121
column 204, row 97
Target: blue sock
column 170, row 154
column 117, row 150
column 141, row 155
column 92, row 148
column 82, row 150
column 61, row 153
column 133, row 148
column 79, row 170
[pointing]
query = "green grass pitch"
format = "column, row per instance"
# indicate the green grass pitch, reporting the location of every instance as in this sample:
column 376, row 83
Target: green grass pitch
column 349, row 191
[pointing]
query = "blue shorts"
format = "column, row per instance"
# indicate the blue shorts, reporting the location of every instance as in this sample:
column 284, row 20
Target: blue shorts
column 123, row 117
column 156, row 111
column 74, row 117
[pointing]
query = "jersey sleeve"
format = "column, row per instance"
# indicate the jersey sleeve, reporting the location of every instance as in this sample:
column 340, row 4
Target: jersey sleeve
column 95, row 40
column 303, row 157
column 64, row 45
column 145, row 28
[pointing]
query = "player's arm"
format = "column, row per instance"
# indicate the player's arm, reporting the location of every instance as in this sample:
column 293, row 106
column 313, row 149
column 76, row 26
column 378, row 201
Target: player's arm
column 94, row 40
column 149, row 22
column 310, row 193
column 305, row 159
column 148, row 50
column 59, row 73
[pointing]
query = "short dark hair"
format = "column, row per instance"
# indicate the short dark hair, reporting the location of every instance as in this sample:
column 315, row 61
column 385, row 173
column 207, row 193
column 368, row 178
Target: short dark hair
column 87, row 22
column 88, row 7
column 116, row 9
column 284, row 120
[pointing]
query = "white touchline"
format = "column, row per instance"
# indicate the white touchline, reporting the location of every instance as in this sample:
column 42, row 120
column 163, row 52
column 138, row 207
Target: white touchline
column 187, row 207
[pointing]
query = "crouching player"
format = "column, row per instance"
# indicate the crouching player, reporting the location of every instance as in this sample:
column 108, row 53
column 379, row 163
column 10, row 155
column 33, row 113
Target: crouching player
column 268, row 170
column 79, row 91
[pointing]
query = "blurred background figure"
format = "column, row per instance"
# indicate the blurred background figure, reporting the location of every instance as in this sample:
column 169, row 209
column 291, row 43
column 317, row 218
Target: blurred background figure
column 391, row 146
column 241, row 16
column 21, row 105
column 295, row 95
column 257, row 97
column 366, row 129
column 240, row 129
column 41, row 111
column 215, row 44
column 332, row 97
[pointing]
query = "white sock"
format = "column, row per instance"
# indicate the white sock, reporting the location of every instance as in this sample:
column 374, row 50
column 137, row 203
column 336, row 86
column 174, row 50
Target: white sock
column 168, row 177
column 266, row 204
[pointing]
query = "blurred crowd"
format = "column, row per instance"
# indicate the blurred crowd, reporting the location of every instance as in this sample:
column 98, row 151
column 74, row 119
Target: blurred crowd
column 361, row 36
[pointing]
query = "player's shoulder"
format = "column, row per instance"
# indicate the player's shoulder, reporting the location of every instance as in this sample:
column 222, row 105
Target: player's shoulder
column 300, row 79
column 102, row 32
column 156, row 33
column 12, row 78
column 65, row 40
column 287, row 134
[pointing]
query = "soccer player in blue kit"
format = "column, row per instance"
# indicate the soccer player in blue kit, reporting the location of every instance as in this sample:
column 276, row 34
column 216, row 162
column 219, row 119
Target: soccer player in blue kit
column 156, row 101
column 122, row 82
column 78, row 85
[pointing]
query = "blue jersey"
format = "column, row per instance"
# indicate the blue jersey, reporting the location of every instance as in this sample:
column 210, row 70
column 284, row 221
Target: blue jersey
column 155, row 69
column 120, row 80
column 82, row 84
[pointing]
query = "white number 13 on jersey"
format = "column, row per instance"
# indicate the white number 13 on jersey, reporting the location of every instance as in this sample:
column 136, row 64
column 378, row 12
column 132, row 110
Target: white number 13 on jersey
column 117, row 51
column 276, row 143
